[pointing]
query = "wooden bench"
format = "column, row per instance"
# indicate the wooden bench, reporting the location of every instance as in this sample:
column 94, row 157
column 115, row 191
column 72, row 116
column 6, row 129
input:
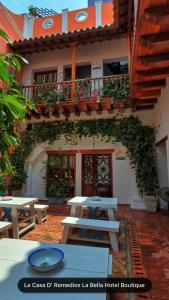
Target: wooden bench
column 41, row 212
column 112, row 227
column 4, row 226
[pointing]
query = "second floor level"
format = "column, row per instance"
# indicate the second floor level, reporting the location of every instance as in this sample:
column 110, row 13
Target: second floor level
column 87, row 72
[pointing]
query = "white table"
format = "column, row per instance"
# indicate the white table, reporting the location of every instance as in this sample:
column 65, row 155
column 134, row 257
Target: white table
column 79, row 261
column 108, row 204
column 15, row 204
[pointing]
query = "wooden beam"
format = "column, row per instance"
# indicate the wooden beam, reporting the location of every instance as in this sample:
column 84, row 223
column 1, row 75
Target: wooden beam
column 154, row 72
column 150, row 85
column 145, row 101
column 144, row 89
column 160, row 10
column 73, row 87
column 129, row 51
column 144, row 107
column 154, row 39
column 129, row 14
column 148, row 94
column 157, row 14
column 151, row 59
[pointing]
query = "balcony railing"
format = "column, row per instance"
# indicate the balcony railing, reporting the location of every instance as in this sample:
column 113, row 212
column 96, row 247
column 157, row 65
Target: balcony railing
column 115, row 87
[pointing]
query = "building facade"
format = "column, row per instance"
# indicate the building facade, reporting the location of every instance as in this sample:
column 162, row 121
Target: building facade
column 74, row 60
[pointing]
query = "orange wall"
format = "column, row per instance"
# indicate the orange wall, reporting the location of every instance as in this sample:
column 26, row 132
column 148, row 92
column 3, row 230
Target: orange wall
column 107, row 14
column 107, row 18
column 6, row 25
column 18, row 19
column 38, row 29
column 9, row 29
column 90, row 22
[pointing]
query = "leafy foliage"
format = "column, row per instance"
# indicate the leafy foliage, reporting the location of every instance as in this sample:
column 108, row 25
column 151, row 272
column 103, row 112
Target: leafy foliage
column 33, row 11
column 12, row 106
column 137, row 138
column 117, row 88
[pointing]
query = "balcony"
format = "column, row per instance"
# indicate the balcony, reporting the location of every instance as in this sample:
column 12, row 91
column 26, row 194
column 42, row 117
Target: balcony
column 85, row 95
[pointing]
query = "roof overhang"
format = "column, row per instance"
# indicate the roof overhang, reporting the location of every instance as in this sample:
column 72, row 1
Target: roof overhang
column 150, row 65
column 123, row 25
column 59, row 41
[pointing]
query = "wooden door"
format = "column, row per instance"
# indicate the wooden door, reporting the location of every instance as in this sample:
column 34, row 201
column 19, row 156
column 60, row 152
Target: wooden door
column 97, row 175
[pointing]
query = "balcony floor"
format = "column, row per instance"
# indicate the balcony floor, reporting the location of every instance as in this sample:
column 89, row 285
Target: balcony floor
column 149, row 241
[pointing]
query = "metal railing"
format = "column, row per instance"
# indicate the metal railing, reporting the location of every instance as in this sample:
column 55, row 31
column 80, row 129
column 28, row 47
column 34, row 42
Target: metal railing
column 116, row 86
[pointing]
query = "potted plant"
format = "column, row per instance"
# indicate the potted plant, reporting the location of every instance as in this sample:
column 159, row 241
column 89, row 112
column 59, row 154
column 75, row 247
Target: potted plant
column 38, row 93
column 118, row 90
column 151, row 199
column 52, row 97
column 56, row 191
column 83, row 90
column 151, row 202
column 16, row 183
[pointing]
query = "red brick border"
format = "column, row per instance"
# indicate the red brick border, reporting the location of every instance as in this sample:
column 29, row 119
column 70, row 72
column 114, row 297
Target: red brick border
column 136, row 256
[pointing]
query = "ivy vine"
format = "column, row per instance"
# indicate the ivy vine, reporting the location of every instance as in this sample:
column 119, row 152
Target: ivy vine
column 139, row 140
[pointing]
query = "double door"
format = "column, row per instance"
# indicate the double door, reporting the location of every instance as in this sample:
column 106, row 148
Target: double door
column 97, row 175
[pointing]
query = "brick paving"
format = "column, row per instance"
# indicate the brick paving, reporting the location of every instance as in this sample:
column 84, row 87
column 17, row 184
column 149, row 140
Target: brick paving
column 149, row 242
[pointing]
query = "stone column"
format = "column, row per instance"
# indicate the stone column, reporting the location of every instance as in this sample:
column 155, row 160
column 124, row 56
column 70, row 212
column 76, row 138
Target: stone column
column 65, row 20
column 29, row 179
column 78, row 191
column 98, row 5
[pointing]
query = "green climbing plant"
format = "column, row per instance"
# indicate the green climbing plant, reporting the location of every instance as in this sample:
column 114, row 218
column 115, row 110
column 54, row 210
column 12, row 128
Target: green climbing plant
column 12, row 106
column 139, row 140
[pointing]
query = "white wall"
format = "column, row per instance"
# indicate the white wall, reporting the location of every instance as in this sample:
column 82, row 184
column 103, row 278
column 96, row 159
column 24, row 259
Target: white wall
column 162, row 165
column 161, row 123
column 123, row 177
column 92, row 53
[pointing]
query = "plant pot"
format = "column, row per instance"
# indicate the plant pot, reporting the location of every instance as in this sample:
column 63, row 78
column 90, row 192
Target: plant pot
column 60, row 200
column 17, row 193
column 151, row 203
column 106, row 102
column 120, row 105
column 56, row 200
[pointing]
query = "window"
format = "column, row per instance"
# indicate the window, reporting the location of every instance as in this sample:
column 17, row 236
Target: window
column 81, row 16
column 60, row 175
column 82, row 72
column 45, row 76
column 48, row 23
column 115, row 67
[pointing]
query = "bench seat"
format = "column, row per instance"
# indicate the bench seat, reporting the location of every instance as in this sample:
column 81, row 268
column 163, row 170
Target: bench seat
column 41, row 211
column 4, row 226
column 112, row 227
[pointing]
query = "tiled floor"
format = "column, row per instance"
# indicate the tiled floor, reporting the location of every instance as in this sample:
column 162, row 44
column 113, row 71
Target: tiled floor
column 149, row 239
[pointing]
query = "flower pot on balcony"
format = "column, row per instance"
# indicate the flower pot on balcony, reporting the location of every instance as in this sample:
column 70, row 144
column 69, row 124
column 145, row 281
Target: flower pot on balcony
column 106, row 103
column 120, row 105
column 151, row 203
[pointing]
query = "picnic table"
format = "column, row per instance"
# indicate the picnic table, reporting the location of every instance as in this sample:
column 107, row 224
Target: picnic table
column 15, row 204
column 79, row 262
column 108, row 204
